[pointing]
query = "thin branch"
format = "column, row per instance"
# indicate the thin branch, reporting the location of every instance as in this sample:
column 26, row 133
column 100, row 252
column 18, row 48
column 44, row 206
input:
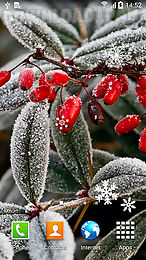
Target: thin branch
column 81, row 24
column 80, row 217
column 72, row 204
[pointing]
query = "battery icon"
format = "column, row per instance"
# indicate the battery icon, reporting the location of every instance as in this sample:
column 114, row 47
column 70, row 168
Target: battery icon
column 120, row 5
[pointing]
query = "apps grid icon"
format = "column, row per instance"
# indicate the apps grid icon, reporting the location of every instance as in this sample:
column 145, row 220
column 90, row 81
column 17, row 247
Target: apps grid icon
column 125, row 229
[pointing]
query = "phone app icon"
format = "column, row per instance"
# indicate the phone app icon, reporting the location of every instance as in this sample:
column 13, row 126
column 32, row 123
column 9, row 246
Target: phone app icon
column 20, row 230
column 55, row 230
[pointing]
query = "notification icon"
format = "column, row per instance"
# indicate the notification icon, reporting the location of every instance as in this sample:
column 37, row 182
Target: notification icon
column 55, row 230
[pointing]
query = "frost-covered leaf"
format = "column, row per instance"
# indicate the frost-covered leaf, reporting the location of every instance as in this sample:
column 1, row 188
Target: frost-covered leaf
column 112, row 248
column 41, row 248
column 128, row 175
column 9, row 191
column 72, row 147
column 115, row 48
column 30, row 150
column 59, row 179
column 32, row 31
column 133, row 19
column 8, row 213
column 6, row 250
column 96, row 16
column 12, row 97
column 101, row 158
column 66, row 31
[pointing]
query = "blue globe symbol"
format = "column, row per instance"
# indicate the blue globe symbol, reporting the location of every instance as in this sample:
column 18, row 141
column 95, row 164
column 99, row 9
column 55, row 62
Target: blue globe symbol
column 90, row 230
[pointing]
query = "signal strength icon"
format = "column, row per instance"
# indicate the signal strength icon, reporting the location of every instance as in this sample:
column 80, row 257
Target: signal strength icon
column 104, row 3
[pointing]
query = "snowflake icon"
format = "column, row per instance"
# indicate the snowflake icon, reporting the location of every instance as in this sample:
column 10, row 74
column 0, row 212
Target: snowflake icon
column 106, row 192
column 128, row 204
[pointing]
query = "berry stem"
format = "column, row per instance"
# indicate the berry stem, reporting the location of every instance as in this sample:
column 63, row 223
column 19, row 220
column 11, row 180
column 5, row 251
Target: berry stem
column 24, row 61
column 88, row 75
column 142, row 115
column 33, row 64
column 87, row 91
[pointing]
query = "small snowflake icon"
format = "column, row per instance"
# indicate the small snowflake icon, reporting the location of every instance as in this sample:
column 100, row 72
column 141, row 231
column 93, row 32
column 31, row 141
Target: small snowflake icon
column 128, row 204
column 106, row 192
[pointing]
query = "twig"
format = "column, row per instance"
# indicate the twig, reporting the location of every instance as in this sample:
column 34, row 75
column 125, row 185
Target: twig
column 72, row 204
column 81, row 24
column 80, row 217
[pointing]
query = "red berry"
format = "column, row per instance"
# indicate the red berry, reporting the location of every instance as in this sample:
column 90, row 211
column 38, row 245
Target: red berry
column 56, row 77
column 41, row 93
column 127, row 124
column 26, row 79
column 32, row 210
column 112, row 93
column 100, row 90
column 142, row 141
column 125, row 83
column 96, row 112
column 68, row 113
column 142, row 82
column 82, row 193
column 4, row 77
column 141, row 94
column 43, row 81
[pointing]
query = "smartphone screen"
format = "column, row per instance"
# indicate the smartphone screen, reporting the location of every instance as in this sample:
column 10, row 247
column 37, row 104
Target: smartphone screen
column 72, row 130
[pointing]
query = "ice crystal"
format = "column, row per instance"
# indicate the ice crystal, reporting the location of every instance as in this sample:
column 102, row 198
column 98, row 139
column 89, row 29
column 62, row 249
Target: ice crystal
column 127, row 44
column 30, row 150
column 128, row 174
column 31, row 31
column 41, row 248
column 132, row 19
column 106, row 192
column 6, row 250
column 128, row 204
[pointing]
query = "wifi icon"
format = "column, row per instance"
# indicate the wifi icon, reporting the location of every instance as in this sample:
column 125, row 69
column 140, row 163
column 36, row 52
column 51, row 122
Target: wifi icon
column 104, row 3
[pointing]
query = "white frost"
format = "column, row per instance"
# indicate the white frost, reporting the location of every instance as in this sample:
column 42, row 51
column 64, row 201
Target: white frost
column 41, row 248
column 6, row 250
column 30, row 150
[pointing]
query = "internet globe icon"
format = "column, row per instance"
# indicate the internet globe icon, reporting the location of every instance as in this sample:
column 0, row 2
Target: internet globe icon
column 90, row 230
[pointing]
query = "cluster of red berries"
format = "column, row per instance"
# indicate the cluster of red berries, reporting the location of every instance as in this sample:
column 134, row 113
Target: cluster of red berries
column 109, row 88
column 47, row 83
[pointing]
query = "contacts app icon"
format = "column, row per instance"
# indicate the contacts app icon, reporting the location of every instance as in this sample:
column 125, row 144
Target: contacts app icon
column 55, row 230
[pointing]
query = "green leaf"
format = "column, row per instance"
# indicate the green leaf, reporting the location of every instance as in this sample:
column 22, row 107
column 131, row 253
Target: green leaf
column 127, row 43
column 32, row 32
column 100, row 159
column 59, row 179
column 133, row 19
column 112, row 248
column 62, row 27
column 72, row 147
column 128, row 175
column 8, row 213
column 30, row 150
